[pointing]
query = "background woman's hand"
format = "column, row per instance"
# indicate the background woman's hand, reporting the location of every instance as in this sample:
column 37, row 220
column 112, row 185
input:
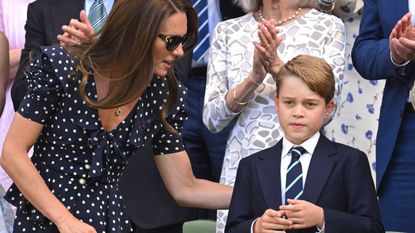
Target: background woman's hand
column 269, row 42
column 258, row 69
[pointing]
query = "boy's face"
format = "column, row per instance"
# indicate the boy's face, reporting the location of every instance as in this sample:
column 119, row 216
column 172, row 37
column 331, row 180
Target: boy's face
column 301, row 111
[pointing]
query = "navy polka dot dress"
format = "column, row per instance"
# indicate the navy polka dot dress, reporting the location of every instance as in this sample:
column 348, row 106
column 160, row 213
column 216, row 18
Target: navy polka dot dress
column 79, row 161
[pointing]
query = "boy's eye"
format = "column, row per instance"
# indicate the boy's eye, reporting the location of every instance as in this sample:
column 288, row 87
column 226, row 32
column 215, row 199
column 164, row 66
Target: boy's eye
column 309, row 105
column 289, row 103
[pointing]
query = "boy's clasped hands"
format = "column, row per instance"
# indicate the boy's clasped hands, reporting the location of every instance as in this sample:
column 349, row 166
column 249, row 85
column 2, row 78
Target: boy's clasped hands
column 298, row 214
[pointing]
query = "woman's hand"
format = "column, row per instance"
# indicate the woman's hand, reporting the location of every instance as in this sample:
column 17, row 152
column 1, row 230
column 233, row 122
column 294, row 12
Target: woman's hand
column 71, row 224
column 258, row 69
column 269, row 42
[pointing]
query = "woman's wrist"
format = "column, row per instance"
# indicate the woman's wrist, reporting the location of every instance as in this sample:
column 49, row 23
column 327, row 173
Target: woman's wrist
column 60, row 216
column 239, row 96
column 252, row 80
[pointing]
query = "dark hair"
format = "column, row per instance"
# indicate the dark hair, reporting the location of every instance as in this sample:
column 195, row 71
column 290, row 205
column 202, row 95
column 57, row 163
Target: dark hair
column 314, row 71
column 123, row 50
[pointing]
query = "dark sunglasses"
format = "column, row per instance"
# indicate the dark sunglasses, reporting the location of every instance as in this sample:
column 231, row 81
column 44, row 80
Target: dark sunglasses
column 172, row 42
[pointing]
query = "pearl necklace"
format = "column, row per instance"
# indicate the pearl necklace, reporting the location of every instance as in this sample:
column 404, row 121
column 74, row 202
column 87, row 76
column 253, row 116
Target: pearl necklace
column 261, row 16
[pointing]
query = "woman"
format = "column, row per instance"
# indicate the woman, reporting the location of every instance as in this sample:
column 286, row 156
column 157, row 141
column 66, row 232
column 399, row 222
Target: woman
column 356, row 120
column 6, row 214
column 4, row 69
column 240, row 92
column 87, row 112
column 12, row 22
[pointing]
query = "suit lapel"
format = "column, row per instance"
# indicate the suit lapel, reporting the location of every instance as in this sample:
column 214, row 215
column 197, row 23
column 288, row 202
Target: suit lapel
column 321, row 165
column 269, row 175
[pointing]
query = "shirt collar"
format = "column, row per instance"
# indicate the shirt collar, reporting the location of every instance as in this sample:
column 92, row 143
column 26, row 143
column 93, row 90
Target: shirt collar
column 309, row 145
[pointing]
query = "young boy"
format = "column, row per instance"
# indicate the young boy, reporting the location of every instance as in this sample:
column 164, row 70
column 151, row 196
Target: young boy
column 321, row 187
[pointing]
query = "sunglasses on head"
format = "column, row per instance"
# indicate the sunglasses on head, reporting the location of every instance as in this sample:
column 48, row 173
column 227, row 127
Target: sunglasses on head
column 172, row 42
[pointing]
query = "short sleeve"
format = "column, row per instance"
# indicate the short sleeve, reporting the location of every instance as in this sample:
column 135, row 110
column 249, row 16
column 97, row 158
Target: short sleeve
column 44, row 91
column 166, row 142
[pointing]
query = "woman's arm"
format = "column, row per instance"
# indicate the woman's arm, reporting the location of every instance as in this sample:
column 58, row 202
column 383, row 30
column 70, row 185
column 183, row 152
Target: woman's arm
column 177, row 174
column 4, row 67
column 22, row 134
column 14, row 55
column 224, row 102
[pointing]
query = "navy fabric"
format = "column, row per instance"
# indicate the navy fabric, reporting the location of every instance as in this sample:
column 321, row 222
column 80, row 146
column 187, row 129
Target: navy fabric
column 399, row 181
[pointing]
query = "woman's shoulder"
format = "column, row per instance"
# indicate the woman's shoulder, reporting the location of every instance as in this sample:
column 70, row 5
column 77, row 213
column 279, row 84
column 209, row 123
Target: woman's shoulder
column 324, row 17
column 63, row 65
column 323, row 20
column 239, row 22
column 57, row 54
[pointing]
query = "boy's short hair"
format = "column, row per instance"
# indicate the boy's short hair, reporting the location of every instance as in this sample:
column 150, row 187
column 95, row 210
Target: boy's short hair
column 314, row 71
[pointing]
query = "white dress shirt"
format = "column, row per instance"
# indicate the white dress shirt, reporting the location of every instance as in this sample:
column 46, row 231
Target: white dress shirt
column 305, row 159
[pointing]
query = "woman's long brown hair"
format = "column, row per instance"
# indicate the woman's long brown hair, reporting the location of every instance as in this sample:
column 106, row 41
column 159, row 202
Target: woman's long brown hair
column 123, row 51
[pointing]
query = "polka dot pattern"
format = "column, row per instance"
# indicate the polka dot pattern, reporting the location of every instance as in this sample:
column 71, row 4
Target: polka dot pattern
column 80, row 161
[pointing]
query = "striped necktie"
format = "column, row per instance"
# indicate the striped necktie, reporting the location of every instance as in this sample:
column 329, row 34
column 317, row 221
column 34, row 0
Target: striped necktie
column 294, row 184
column 202, row 45
column 97, row 15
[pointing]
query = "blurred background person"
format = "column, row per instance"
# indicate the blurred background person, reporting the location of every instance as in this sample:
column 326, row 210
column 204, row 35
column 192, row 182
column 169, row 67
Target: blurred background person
column 4, row 70
column 45, row 19
column 240, row 94
column 12, row 21
column 384, row 50
column 356, row 120
column 6, row 214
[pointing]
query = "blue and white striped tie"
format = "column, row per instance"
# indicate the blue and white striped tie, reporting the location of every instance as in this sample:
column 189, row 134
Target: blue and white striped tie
column 294, row 184
column 97, row 15
column 202, row 45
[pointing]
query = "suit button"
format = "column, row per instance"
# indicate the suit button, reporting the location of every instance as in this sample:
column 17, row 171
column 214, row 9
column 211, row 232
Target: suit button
column 82, row 181
column 87, row 166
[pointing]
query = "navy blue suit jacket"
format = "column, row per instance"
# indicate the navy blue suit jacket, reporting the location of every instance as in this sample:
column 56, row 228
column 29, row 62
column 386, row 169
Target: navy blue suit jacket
column 372, row 60
column 338, row 180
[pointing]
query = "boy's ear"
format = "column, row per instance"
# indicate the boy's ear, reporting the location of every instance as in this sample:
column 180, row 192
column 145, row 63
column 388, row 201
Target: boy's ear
column 329, row 109
column 276, row 103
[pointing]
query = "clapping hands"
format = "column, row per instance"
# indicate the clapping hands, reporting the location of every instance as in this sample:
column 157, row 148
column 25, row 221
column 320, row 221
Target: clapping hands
column 77, row 32
column 266, row 59
column 402, row 40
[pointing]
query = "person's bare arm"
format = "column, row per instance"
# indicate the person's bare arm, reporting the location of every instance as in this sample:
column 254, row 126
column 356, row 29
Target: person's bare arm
column 22, row 135
column 177, row 174
column 4, row 68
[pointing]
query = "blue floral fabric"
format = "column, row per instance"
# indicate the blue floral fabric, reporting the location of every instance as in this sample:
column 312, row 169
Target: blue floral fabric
column 356, row 119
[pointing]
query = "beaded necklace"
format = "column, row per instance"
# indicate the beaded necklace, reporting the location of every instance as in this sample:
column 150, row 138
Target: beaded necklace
column 261, row 16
